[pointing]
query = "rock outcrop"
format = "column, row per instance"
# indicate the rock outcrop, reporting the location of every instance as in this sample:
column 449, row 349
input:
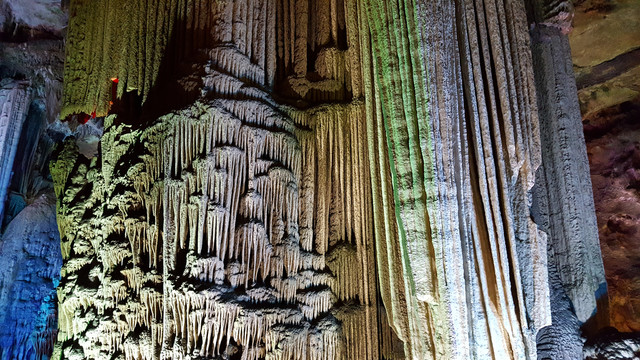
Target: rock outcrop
column 30, row 77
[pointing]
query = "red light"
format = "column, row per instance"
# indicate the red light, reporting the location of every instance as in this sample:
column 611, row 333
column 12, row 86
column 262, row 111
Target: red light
column 83, row 118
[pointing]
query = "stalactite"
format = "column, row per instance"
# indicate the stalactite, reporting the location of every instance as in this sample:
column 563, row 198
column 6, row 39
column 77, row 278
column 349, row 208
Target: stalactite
column 105, row 42
column 218, row 186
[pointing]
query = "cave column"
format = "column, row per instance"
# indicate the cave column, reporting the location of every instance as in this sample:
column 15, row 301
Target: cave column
column 563, row 193
column 14, row 102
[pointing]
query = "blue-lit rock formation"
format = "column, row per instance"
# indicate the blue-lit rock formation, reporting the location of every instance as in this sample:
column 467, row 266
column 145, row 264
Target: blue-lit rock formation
column 30, row 261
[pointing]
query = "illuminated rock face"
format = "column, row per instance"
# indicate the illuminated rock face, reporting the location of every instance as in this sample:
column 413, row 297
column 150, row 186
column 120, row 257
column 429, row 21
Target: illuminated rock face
column 233, row 228
column 352, row 181
column 461, row 179
column 31, row 270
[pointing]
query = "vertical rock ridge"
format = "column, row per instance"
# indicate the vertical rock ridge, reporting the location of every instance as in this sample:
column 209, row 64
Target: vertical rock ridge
column 15, row 97
column 390, row 121
column 567, row 211
column 479, row 147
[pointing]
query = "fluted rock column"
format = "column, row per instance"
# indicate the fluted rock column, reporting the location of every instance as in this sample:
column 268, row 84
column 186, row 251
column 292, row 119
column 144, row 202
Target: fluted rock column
column 15, row 97
column 564, row 194
column 454, row 105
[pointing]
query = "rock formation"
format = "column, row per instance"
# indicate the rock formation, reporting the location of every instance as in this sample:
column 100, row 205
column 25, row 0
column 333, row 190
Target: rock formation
column 242, row 226
column 30, row 90
column 31, row 271
column 465, row 173
column 280, row 179
column 564, row 203
column 247, row 223
column 14, row 103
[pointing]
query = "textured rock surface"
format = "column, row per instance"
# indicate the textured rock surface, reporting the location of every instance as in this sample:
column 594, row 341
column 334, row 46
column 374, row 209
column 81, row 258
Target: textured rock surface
column 30, row 261
column 460, row 179
column 595, row 25
column 564, row 203
column 345, row 179
column 612, row 345
column 15, row 97
column 34, row 15
column 561, row 340
column 607, row 68
column 31, row 59
column 235, row 227
column 615, row 171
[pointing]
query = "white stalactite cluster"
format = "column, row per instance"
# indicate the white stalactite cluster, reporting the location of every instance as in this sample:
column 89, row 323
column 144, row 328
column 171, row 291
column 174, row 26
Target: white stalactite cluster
column 233, row 227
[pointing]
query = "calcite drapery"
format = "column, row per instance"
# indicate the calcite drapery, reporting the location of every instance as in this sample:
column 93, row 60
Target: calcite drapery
column 354, row 174
column 466, row 172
